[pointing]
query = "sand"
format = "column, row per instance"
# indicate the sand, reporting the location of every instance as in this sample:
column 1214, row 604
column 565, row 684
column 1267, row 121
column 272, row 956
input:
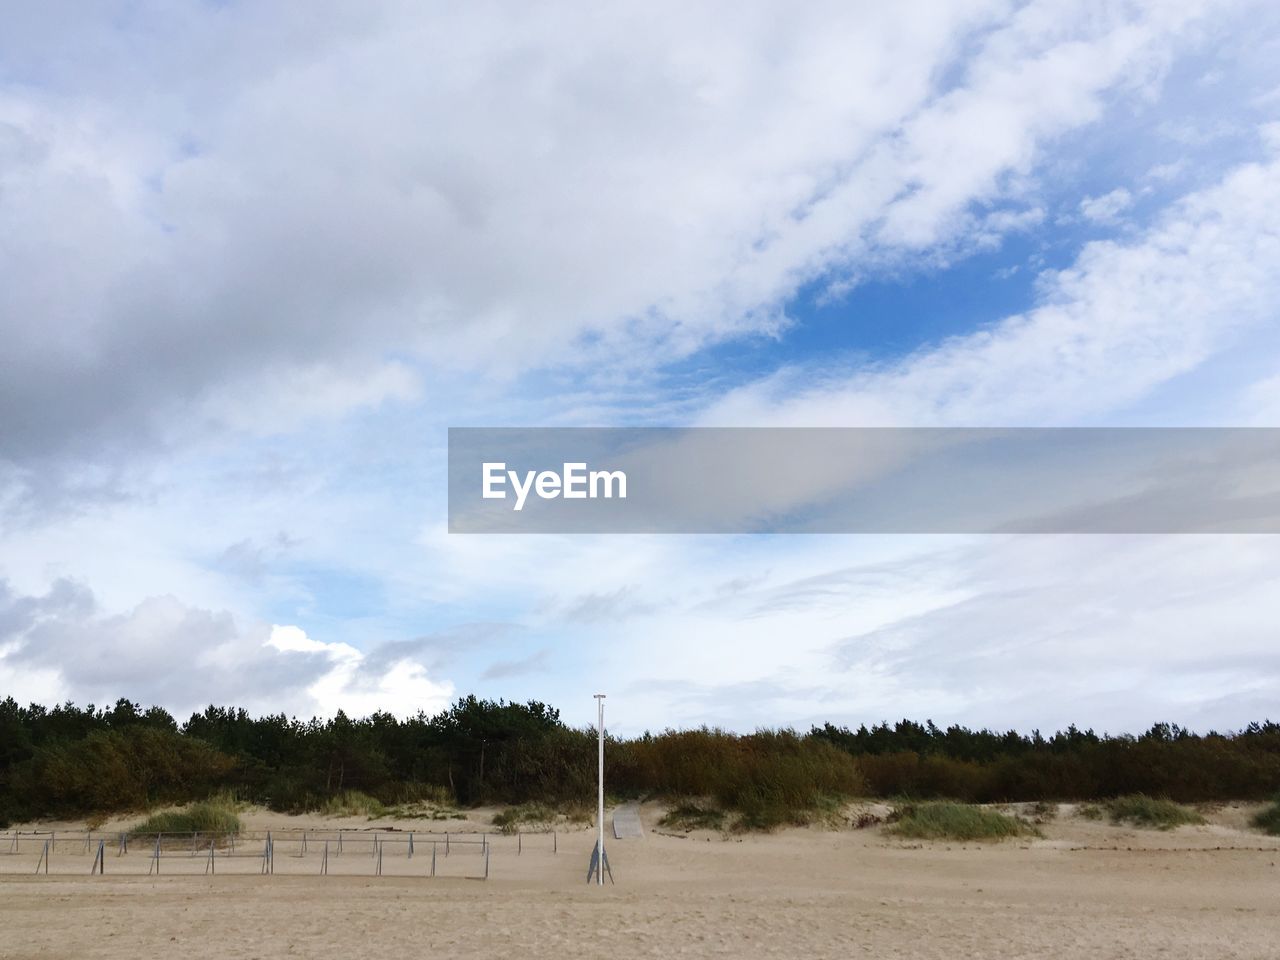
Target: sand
column 1086, row 890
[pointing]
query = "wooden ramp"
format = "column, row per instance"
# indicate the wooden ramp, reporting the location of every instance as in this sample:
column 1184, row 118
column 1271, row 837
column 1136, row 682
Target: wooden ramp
column 626, row 822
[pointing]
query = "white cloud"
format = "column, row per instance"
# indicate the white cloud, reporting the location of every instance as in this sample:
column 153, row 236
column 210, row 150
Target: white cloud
column 261, row 219
column 255, row 201
column 1028, row 631
column 1123, row 320
column 1107, row 207
column 61, row 646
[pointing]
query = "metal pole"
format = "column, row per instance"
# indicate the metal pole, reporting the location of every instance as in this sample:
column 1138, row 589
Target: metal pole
column 600, row 792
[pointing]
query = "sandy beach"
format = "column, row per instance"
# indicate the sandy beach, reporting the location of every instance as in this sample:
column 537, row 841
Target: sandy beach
column 1087, row 889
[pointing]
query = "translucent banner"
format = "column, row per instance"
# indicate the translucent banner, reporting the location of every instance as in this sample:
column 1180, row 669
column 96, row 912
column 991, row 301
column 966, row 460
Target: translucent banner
column 864, row 480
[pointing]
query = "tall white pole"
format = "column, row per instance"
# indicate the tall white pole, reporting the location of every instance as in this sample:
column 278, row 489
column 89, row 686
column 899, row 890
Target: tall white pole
column 600, row 792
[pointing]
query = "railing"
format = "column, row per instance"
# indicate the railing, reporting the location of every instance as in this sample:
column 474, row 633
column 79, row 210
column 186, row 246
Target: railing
column 323, row 846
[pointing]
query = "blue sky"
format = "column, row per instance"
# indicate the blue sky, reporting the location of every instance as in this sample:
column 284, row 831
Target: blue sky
column 255, row 260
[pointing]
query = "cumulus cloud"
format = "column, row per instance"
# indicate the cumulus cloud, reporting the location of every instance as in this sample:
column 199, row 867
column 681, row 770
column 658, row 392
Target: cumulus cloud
column 255, row 215
column 251, row 221
column 61, row 646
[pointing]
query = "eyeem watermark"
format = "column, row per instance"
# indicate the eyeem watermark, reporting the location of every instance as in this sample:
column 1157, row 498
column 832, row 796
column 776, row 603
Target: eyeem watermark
column 573, row 482
column 864, row 480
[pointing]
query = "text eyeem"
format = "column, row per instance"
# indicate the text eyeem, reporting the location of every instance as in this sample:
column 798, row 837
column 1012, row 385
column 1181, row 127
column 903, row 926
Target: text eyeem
column 574, row 482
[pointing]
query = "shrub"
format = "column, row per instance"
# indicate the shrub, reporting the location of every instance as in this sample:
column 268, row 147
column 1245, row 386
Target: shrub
column 940, row 820
column 770, row 778
column 1144, row 811
column 1043, row 811
column 352, row 803
column 513, row 818
column 693, row 815
column 207, row 818
column 1268, row 820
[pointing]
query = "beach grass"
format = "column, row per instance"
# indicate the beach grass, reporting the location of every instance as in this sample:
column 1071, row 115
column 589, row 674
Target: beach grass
column 208, row 817
column 941, row 820
column 1268, row 820
column 352, row 803
column 694, row 815
column 1151, row 812
column 513, row 819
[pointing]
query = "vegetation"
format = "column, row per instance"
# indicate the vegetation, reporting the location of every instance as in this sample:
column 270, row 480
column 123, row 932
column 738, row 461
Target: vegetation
column 352, row 803
column 1043, row 811
column 693, row 815
column 84, row 761
column 1144, row 811
column 940, row 820
column 982, row 766
column 208, row 818
column 513, row 819
column 1268, row 820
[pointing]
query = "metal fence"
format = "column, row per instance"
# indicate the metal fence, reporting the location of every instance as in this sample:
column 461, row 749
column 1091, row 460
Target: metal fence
column 293, row 852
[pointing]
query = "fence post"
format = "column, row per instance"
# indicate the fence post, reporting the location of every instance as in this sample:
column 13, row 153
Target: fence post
column 99, row 860
column 378, row 854
column 324, row 861
column 555, row 842
column 486, row 861
column 433, row 858
column 339, row 843
column 410, row 855
column 519, row 842
column 446, row 843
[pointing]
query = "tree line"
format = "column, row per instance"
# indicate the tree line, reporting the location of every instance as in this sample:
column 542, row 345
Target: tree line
column 75, row 761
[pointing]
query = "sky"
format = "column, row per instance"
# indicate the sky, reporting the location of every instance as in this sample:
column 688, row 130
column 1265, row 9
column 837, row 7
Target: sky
column 257, row 258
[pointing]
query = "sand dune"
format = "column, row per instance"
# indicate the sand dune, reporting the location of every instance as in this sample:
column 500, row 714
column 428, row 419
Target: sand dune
column 1086, row 890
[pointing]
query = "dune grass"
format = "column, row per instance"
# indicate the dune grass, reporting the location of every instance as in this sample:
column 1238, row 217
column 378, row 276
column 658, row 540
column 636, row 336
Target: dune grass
column 541, row 816
column 513, row 819
column 352, row 803
column 209, row 817
column 940, row 820
column 1043, row 811
column 693, row 815
column 1151, row 812
column 1268, row 820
